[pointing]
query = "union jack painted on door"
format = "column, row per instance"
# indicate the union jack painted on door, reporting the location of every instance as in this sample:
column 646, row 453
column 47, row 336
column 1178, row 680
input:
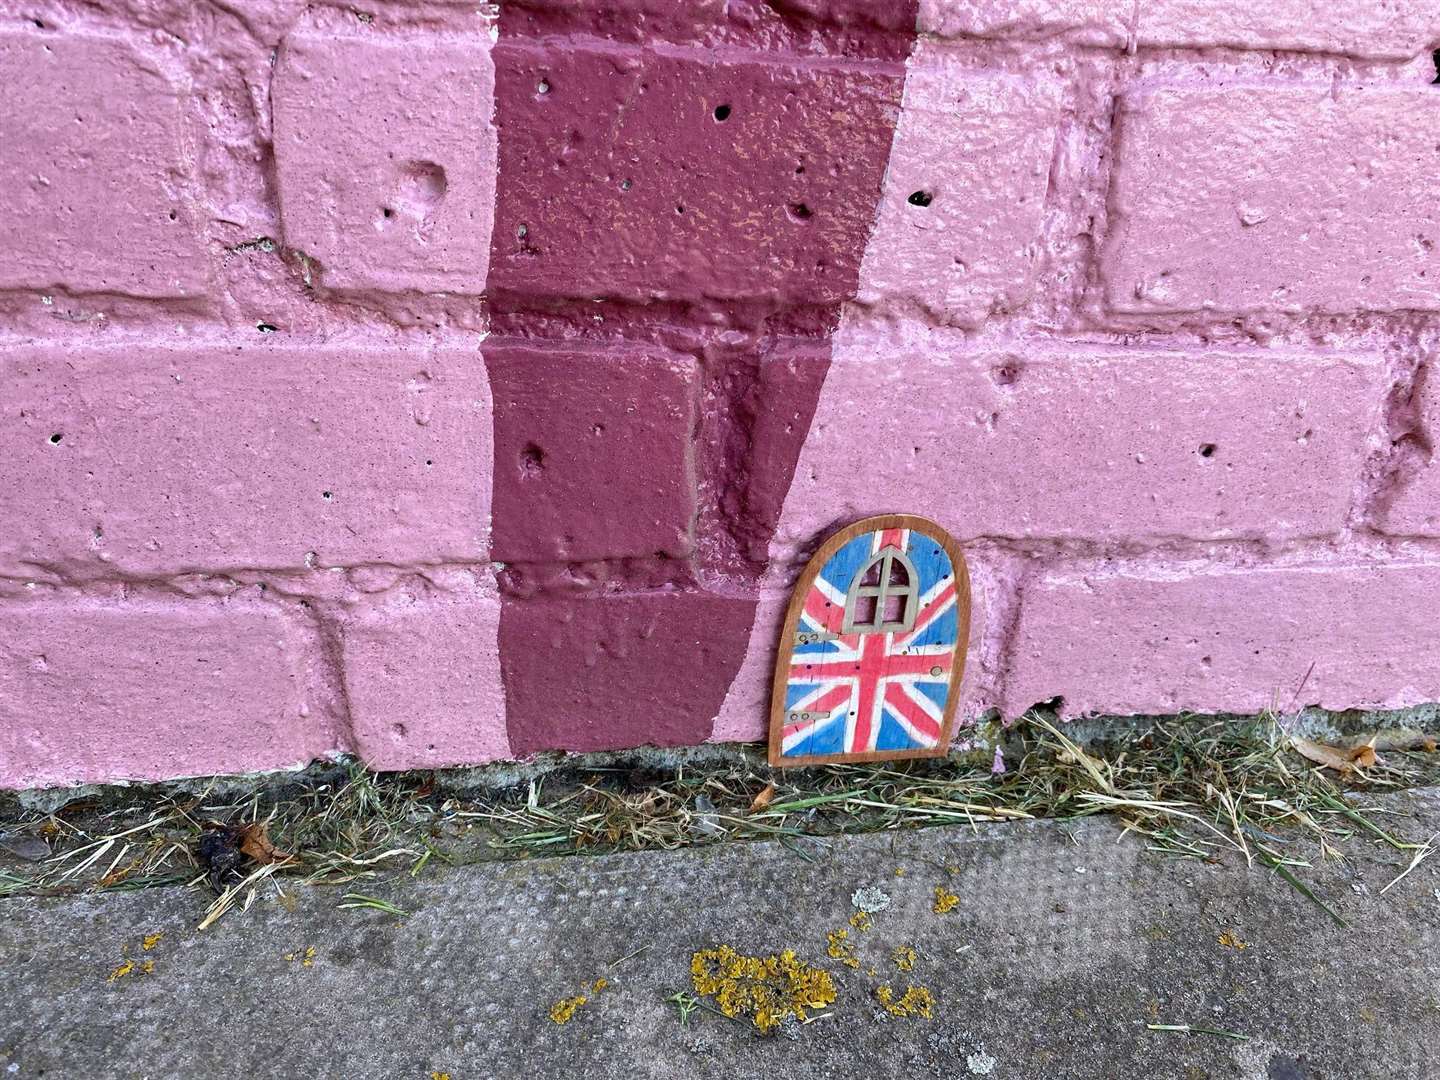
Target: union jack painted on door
column 873, row 646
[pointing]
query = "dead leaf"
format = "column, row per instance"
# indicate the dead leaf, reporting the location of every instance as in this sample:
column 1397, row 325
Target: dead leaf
column 1342, row 760
column 1398, row 739
column 29, row 848
column 254, row 842
column 1362, row 757
column 764, row 799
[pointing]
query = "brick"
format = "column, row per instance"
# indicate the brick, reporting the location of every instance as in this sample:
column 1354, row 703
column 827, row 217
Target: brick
column 1205, row 639
column 422, row 678
column 593, row 454
column 959, row 218
column 385, row 152
column 619, row 180
column 1287, row 198
column 1411, row 506
column 1363, row 28
column 1085, row 442
column 833, row 28
column 608, row 672
column 789, row 379
column 94, row 690
column 165, row 459
column 1087, row 22
column 96, row 180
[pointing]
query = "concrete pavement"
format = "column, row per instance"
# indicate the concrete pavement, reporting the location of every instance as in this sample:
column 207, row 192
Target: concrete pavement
column 1067, row 941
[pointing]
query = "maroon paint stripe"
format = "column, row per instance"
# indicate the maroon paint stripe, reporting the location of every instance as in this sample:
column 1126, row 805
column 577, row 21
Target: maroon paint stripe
column 676, row 229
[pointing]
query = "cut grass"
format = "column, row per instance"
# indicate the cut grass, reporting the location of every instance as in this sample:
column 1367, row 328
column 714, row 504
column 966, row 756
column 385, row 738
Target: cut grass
column 1200, row 790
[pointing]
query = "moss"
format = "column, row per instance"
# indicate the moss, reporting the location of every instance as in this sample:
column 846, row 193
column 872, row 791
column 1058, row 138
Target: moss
column 764, row 989
column 562, row 1012
column 838, row 948
column 120, row 972
column 916, row 1001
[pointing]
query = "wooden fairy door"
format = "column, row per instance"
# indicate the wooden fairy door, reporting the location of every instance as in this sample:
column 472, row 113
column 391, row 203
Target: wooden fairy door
column 873, row 648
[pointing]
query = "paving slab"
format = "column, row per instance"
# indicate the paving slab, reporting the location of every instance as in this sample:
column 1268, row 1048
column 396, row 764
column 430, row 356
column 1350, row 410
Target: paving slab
column 1068, row 940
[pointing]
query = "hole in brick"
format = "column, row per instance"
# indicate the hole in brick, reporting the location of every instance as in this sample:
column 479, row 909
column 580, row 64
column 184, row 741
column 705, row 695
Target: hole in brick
column 1207, row 450
column 920, row 198
column 55, row 439
column 532, row 460
column 266, row 328
column 597, row 430
column 173, row 215
column 386, row 212
column 523, row 231
column 1205, row 661
column 543, row 87
column 422, row 186
column 679, row 209
column 800, row 170
column 626, row 185
column 722, row 113
column 1007, row 374
column 428, row 462
column 1435, row 56
column 327, row 495
column 801, row 212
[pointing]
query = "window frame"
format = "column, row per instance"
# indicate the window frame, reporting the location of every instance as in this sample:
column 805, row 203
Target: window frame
column 882, row 591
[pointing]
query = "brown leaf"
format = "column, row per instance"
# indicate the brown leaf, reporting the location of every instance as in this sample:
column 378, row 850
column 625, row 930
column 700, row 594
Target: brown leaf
column 1399, row 739
column 764, row 799
column 1342, row 760
column 254, row 841
column 1362, row 757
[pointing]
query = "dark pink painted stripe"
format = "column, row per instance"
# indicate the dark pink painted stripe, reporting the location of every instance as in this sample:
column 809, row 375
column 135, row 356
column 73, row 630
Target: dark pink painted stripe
column 684, row 200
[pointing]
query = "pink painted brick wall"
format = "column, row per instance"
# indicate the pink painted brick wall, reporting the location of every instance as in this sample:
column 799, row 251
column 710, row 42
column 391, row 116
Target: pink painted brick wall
column 443, row 385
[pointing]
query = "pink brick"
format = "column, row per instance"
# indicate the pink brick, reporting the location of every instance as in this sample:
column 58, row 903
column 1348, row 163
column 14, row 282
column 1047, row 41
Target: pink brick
column 1087, row 22
column 149, row 459
column 105, row 690
column 422, row 677
column 1414, row 504
column 96, row 181
column 385, row 149
column 1084, row 442
column 975, row 150
column 1368, row 28
column 1206, row 639
column 1275, row 197
column 593, row 454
